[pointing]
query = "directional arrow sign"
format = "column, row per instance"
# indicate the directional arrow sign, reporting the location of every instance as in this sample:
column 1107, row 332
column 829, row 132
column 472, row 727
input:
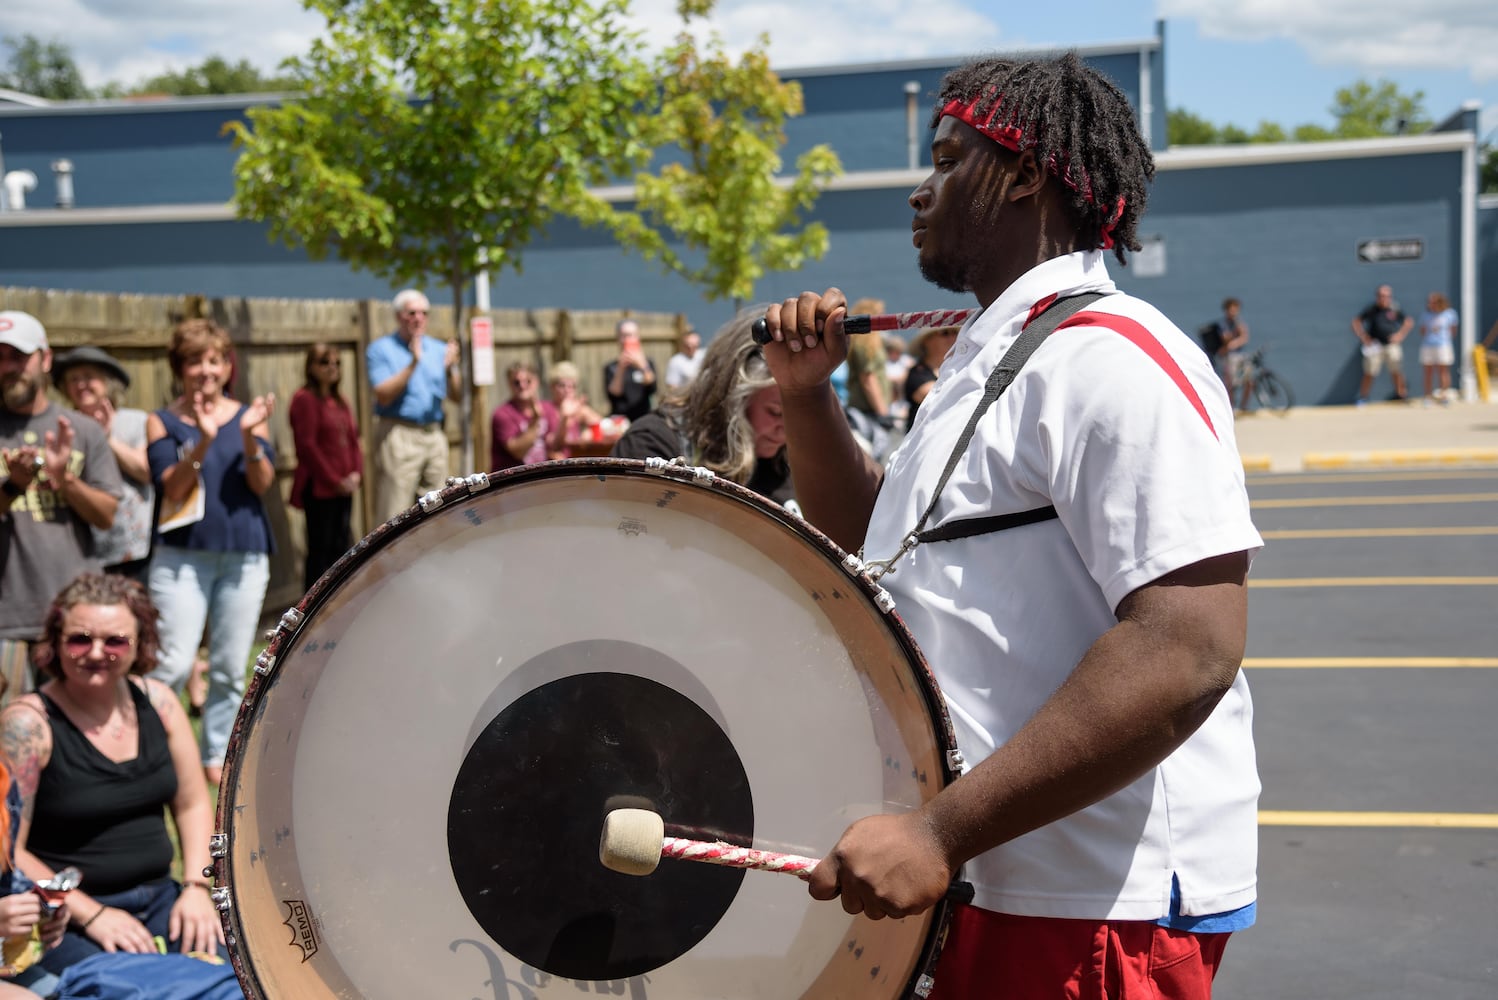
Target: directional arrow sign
column 1374, row 251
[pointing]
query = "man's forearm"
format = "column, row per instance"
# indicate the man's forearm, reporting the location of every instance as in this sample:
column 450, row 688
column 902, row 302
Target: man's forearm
column 93, row 505
column 390, row 390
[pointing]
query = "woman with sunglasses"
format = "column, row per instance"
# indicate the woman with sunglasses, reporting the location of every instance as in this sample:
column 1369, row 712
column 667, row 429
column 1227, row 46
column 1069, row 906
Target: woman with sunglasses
column 329, row 461
column 99, row 751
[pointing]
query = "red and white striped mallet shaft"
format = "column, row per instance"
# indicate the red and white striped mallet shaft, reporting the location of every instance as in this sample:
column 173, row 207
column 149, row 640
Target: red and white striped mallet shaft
column 634, row 841
column 879, row 322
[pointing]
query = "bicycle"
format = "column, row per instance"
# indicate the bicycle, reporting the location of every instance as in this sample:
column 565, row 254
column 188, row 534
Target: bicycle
column 1270, row 391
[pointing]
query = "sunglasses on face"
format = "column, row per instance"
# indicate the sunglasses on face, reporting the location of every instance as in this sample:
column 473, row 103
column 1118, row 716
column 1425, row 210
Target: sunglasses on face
column 330, row 361
column 81, row 644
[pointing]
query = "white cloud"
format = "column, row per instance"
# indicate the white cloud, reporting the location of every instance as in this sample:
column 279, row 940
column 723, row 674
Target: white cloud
column 1369, row 35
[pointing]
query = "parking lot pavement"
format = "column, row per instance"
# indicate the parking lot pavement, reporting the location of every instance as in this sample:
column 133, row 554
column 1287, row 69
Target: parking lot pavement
column 1372, row 658
column 1373, row 436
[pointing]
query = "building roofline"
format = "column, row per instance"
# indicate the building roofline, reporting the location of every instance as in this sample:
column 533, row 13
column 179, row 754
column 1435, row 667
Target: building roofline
column 139, row 105
column 1254, row 154
column 957, row 59
column 20, row 98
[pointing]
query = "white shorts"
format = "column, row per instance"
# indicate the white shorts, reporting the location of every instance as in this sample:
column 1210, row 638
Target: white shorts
column 1441, row 354
column 1375, row 354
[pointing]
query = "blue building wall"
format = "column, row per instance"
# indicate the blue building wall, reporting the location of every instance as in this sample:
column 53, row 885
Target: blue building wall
column 1487, row 266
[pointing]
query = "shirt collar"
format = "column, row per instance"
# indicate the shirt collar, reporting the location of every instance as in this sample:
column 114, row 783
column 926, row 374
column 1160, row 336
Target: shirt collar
column 1083, row 271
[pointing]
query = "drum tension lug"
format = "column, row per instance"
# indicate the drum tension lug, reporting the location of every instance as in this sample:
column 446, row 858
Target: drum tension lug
column 476, row 482
column 924, row 985
column 431, row 501
column 220, row 898
column 290, row 620
column 955, row 761
column 218, row 846
column 265, row 663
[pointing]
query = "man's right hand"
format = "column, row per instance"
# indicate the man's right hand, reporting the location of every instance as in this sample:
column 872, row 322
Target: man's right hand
column 807, row 342
column 415, row 346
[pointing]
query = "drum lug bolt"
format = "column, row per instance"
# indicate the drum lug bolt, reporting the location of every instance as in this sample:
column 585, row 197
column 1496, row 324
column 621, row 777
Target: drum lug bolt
column 476, row 482
column 955, row 761
column 218, row 846
column 290, row 620
column 432, row 501
column 886, row 603
column 220, row 898
column 924, row 986
column 265, row 663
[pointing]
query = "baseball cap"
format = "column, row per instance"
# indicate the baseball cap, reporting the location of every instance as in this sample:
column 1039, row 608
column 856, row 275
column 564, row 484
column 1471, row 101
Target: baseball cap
column 22, row 331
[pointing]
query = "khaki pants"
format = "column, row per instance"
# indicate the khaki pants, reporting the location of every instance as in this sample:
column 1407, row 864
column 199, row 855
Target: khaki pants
column 409, row 461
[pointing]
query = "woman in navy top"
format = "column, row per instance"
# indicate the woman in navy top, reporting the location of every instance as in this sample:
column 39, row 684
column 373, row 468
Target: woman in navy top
column 212, row 571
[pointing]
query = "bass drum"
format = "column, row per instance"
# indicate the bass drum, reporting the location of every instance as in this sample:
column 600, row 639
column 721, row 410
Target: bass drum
column 418, row 777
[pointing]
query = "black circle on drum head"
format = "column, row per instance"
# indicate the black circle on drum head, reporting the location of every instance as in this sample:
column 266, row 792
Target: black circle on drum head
column 527, row 810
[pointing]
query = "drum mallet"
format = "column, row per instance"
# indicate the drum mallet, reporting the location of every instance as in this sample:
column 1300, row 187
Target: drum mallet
column 634, row 841
column 881, row 322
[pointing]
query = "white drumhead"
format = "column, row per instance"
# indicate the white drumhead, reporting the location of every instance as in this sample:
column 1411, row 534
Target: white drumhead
column 343, row 774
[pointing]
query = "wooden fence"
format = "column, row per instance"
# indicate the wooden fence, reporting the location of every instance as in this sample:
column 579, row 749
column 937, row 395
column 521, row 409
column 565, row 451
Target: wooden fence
column 271, row 338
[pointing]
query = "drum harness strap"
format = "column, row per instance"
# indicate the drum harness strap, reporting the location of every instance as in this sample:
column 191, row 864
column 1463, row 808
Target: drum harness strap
column 1019, row 352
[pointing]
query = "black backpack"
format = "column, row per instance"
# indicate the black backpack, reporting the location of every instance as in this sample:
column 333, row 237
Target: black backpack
column 1211, row 338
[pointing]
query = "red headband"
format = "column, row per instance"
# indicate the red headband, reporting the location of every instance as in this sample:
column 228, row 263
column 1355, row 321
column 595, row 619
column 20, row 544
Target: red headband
column 1012, row 137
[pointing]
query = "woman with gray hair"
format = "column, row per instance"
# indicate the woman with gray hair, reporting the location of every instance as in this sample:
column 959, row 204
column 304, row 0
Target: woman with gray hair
column 95, row 385
column 727, row 419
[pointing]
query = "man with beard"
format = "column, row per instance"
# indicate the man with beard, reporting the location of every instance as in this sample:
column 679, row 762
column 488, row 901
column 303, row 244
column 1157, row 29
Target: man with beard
column 58, row 479
column 1069, row 537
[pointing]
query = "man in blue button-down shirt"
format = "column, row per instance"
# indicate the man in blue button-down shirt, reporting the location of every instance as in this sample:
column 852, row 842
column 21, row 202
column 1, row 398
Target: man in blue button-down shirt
column 410, row 373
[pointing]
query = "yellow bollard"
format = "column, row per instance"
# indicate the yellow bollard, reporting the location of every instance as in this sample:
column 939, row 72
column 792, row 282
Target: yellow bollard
column 1480, row 365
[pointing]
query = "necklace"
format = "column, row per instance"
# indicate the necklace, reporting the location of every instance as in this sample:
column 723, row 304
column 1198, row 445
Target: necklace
column 114, row 725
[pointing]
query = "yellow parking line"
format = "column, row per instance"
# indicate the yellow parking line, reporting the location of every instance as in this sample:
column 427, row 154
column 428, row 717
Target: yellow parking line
column 1369, row 662
column 1289, row 478
column 1377, row 581
column 1451, row 532
column 1423, row 498
column 1447, row 821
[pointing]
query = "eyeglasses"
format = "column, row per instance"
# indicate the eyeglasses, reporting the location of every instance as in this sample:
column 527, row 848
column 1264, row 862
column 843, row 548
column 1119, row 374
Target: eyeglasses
column 417, row 312
column 330, row 361
column 81, row 644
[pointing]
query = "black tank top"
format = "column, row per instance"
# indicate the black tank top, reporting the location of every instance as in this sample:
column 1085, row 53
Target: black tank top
column 105, row 818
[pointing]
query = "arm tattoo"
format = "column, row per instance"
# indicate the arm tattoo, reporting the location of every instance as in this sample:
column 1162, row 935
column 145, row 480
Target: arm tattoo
column 22, row 741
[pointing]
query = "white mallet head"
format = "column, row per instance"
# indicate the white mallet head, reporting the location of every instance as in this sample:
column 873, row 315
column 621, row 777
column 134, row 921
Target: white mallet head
column 631, row 841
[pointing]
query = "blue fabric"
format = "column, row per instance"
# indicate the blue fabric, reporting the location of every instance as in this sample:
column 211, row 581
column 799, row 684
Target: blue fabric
column 121, row 976
column 233, row 517
column 150, row 903
column 421, row 403
column 1208, row 923
column 225, row 592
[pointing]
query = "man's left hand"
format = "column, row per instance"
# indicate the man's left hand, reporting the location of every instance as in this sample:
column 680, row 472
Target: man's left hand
column 885, row 866
column 59, row 449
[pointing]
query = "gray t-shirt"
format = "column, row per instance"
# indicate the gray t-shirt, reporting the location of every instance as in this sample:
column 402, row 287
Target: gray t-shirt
column 130, row 536
column 43, row 543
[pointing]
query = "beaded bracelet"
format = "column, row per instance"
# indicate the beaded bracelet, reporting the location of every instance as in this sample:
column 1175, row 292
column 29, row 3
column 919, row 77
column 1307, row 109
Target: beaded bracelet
column 84, row 925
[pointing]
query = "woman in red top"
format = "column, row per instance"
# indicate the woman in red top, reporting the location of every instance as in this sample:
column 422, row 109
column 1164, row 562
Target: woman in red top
column 329, row 461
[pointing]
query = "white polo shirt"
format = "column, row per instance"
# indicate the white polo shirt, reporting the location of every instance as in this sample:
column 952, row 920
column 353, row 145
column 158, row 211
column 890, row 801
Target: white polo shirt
column 1121, row 424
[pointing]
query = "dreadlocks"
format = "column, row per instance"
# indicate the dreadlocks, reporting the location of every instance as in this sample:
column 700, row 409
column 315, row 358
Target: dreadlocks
column 1080, row 126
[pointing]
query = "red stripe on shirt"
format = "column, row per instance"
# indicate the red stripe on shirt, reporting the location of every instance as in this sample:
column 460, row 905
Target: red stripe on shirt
column 1146, row 342
column 1039, row 308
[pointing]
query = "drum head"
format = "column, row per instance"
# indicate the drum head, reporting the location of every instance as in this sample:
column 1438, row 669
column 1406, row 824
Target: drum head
column 415, row 790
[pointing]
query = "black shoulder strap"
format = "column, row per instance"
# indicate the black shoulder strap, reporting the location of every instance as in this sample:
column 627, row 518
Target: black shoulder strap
column 1014, row 359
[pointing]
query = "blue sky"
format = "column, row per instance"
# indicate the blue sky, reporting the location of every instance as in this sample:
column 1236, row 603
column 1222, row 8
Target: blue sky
column 1238, row 61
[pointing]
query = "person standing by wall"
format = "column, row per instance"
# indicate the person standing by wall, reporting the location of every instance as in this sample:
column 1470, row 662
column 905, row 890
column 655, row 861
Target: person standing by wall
column 1437, row 346
column 95, row 384
column 684, row 364
column 629, row 379
column 59, row 482
column 1233, row 334
column 410, row 375
column 1381, row 328
column 329, row 460
column 525, row 428
column 212, row 570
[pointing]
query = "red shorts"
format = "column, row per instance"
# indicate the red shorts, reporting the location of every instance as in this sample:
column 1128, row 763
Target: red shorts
column 996, row 956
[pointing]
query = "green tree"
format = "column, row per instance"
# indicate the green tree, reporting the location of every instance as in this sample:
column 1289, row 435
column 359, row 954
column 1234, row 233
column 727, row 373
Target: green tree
column 433, row 138
column 1313, row 133
column 1369, row 110
column 721, row 199
column 42, row 69
column 1183, row 128
column 215, row 75
column 1489, row 169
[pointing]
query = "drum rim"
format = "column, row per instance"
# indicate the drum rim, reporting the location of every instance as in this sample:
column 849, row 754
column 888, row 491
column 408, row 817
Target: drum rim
column 289, row 627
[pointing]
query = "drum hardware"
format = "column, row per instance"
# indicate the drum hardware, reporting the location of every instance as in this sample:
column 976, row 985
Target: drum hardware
column 859, row 568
